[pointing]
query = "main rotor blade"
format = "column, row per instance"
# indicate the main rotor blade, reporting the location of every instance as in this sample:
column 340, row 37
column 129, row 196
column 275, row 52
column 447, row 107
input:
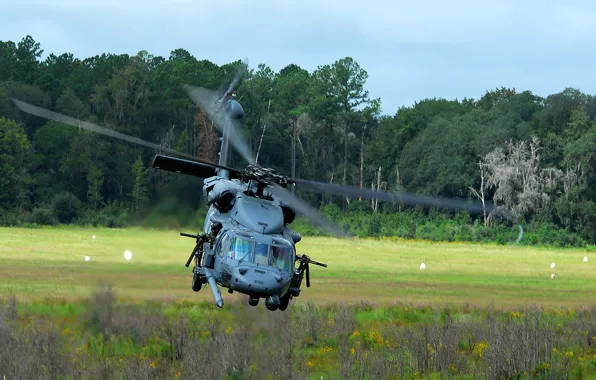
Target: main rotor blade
column 192, row 168
column 239, row 74
column 309, row 212
column 208, row 101
column 405, row 198
column 51, row 115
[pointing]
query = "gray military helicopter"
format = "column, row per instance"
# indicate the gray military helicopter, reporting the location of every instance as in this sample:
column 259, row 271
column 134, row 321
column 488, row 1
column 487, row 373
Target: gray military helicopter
column 246, row 244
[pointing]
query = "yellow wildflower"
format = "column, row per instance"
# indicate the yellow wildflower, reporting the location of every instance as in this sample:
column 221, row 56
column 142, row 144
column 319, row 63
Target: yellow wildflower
column 480, row 348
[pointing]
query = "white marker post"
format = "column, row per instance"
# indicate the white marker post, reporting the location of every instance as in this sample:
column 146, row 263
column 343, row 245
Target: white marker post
column 127, row 255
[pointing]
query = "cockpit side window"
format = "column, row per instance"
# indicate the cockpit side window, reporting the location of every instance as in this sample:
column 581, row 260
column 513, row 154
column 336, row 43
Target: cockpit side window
column 224, row 245
column 281, row 257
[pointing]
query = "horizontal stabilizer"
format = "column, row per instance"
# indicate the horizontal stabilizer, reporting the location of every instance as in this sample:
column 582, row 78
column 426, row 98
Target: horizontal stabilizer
column 179, row 165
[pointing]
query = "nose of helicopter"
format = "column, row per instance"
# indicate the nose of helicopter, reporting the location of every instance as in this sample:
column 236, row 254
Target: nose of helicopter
column 259, row 281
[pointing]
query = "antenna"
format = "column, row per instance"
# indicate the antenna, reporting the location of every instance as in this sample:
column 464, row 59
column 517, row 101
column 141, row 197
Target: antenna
column 262, row 134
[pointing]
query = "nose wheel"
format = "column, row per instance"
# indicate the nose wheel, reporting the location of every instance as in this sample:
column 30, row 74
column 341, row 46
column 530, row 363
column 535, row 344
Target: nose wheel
column 253, row 301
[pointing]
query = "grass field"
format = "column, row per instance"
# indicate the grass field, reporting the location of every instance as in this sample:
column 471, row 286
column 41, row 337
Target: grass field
column 476, row 311
column 48, row 262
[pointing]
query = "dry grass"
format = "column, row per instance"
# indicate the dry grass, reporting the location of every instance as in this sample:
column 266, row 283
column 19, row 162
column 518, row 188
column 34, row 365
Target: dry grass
column 104, row 338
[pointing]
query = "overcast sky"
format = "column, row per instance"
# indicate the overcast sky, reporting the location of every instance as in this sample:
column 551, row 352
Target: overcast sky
column 412, row 49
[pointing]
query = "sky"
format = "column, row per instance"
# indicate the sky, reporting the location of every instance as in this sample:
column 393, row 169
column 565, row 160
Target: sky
column 411, row 50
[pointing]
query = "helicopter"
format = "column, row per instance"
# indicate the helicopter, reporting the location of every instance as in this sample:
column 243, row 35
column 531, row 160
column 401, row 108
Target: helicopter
column 246, row 244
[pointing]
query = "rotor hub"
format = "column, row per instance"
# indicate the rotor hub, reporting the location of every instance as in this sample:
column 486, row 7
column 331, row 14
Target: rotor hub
column 264, row 176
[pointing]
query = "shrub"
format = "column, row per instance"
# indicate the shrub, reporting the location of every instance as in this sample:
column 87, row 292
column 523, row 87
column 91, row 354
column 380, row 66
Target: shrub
column 42, row 215
column 66, row 207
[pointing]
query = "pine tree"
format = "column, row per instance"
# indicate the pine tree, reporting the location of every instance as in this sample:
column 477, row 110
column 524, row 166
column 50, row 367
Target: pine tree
column 139, row 190
column 94, row 185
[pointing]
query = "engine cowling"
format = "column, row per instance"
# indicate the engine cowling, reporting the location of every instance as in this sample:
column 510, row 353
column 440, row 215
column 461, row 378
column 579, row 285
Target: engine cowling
column 222, row 196
column 289, row 213
column 295, row 236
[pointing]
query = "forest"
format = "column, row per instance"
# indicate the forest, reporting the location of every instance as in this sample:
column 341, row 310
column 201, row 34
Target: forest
column 534, row 155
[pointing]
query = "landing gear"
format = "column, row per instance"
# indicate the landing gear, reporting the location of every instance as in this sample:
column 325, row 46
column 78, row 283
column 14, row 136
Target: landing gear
column 284, row 302
column 272, row 303
column 197, row 282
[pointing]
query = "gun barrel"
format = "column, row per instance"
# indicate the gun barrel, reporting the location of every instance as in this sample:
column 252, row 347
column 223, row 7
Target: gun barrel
column 192, row 255
column 188, row 235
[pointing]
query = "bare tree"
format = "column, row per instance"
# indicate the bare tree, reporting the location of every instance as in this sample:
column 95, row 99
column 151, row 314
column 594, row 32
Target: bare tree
column 571, row 177
column 376, row 187
column 398, row 182
column 482, row 191
column 300, row 127
column 520, row 183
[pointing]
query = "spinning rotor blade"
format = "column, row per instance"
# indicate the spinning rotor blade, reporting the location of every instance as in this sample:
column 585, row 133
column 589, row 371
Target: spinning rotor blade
column 405, row 198
column 51, row 115
column 194, row 168
column 411, row 200
column 236, row 79
column 309, row 212
column 208, row 101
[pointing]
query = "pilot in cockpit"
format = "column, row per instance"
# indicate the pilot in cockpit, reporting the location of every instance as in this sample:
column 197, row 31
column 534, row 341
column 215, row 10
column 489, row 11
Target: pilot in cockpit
column 240, row 249
column 280, row 258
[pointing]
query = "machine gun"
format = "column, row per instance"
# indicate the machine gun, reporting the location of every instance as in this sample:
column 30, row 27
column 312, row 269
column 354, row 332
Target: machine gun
column 303, row 269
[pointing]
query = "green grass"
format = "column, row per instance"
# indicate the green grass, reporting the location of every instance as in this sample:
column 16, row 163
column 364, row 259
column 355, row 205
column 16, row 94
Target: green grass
column 49, row 262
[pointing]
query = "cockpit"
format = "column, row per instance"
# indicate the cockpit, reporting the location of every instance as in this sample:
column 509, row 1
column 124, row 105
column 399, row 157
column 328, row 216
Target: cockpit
column 276, row 252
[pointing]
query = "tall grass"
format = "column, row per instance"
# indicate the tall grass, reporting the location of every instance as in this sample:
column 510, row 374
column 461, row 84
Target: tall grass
column 105, row 338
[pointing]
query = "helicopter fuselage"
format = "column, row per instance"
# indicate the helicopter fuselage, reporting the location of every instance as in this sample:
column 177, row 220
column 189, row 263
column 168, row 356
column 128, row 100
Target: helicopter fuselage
column 252, row 251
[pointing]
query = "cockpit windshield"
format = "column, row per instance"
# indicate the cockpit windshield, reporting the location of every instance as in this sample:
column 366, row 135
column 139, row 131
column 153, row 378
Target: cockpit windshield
column 279, row 254
column 240, row 249
column 261, row 253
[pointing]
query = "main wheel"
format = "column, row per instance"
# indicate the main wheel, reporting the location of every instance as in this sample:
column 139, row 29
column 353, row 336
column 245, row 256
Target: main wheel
column 196, row 282
column 284, row 302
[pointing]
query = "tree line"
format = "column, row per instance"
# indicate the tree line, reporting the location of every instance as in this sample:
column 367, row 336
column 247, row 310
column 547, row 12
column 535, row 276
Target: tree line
column 535, row 155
